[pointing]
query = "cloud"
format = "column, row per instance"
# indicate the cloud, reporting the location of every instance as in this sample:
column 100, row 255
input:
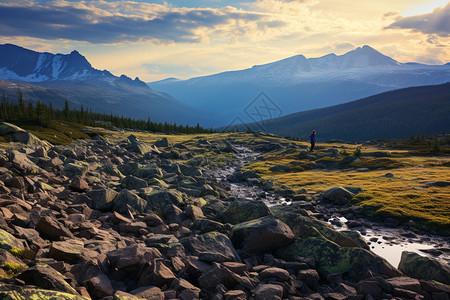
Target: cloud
column 102, row 22
column 436, row 22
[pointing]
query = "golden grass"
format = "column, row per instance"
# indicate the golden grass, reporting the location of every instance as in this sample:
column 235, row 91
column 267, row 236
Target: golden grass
column 405, row 196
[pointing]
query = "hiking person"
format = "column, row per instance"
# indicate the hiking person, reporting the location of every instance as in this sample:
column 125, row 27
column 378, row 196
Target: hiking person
column 313, row 140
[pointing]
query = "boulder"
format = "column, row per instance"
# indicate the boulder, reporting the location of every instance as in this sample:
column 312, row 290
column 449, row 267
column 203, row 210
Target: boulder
column 132, row 257
column 420, row 267
column 148, row 172
column 276, row 273
column 8, row 291
column 23, row 164
column 148, row 292
column 157, row 200
column 9, row 262
column 8, row 128
column 76, row 168
column 244, row 210
column 304, row 226
column 8, row 241
column 50, row 228
column 70, row 251
column 261, row 235
column 211, row 246
column 17, row 134
column 78, row 184
column 157, row 274
column 127, row 200
column 338, row 195
column 31, row 236
column 268, row 292
column 46, row 277
column 119, row 295
column 164, row 142
column 102, row 199
column 331, row 258
column 133, row 183
column 99, row 286
column 112, row 170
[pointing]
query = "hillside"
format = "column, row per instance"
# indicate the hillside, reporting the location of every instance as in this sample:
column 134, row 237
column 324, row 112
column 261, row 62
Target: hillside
column 51, row 78
column 396, row 114
column 299, row 83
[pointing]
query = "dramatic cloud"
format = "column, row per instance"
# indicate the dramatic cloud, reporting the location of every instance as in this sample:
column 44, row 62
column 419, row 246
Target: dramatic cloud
column 436, row 22
column 116, row 22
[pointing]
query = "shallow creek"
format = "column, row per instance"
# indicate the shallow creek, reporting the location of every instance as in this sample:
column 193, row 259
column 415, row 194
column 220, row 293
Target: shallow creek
column 388, row 243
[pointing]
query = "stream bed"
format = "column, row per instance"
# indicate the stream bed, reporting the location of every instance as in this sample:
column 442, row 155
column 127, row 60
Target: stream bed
column 388, row 243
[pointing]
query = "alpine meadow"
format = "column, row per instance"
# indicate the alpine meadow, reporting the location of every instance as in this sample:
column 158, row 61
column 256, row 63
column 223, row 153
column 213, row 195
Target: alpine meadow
column 224, row 150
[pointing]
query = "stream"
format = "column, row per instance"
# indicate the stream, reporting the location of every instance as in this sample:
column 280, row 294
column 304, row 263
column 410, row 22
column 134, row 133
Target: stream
column 388, row 243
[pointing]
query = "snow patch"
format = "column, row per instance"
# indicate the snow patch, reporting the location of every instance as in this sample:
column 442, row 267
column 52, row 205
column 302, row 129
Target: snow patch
column 57, row 66
column 39, row 62
column 6, row 74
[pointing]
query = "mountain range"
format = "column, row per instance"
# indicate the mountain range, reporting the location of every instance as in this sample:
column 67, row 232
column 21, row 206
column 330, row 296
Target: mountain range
column 55, row 78
column 299, row 83
column 400, row 113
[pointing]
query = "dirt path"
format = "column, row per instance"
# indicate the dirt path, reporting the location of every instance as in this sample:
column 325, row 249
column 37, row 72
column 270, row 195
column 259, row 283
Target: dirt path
column 386, row 242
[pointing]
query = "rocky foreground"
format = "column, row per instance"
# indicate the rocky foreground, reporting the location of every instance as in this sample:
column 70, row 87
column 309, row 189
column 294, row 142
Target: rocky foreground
column 130, row 220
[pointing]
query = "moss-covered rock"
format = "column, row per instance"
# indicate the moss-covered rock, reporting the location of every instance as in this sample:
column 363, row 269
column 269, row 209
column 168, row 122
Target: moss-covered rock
column 211, row 246
column 244, row 210
column 133, row 183
column 420, row 267
column 126, row 200
column 10, row 264
column 46, row 277
column 8, row 241
column 304, row 226
column 157, row 182
column 261, row 235
column 102, row 199
column 148, row 171
column 76, row 168
column 338, row 195
column 13, row 292
column 331, row 258
column 157, row 200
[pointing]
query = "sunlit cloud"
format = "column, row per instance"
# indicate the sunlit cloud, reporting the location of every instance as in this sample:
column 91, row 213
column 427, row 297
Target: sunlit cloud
column 436, row 22
column 185, row 38
column 114, row 22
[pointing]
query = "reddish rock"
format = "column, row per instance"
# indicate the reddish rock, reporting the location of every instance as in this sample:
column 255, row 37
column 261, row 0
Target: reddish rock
column 157, row 273
column 70, row 251
column 275, row 273
column 268, row 292
column 311, row 277
column 235, row 295
column 78, row 184
column 99, row 286
column 405, row 283
column 149, row 292
column 50, row 228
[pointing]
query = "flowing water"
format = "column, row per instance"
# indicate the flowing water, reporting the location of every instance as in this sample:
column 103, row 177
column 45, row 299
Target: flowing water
column 388, row 243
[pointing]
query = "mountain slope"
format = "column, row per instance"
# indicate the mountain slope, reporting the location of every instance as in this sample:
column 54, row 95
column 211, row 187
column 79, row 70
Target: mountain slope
column 49, row 78
column 297, row 83
column 395, row 114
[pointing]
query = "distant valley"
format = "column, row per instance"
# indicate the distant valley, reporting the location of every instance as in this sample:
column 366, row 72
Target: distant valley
column 396, row 114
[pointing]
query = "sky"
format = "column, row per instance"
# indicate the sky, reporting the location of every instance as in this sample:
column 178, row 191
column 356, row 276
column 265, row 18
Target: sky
column 154, row 40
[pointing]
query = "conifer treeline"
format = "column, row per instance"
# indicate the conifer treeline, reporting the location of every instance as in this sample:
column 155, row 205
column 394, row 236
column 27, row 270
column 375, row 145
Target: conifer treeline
column 43, row 113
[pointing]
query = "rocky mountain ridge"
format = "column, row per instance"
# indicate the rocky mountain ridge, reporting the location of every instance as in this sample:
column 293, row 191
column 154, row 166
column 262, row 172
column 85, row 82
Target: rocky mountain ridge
column 298, row 83
column 127, row 219
column 55, row 78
